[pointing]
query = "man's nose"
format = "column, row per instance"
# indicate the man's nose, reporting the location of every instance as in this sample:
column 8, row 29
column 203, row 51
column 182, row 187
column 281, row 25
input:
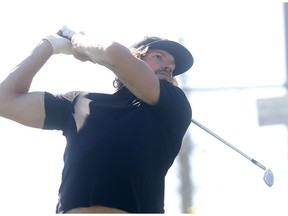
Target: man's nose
column 169, row 67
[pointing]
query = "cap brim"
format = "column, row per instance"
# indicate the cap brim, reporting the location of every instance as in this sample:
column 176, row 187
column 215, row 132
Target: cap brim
column 183, row 58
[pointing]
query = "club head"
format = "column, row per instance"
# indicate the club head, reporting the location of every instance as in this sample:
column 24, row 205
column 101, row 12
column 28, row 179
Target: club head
column 268, row 177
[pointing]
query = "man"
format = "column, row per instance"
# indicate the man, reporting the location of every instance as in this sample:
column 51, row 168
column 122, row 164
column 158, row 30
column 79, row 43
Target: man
column 119, row 146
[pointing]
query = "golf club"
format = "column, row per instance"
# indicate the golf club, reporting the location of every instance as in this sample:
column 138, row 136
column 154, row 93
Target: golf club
column 268, row 175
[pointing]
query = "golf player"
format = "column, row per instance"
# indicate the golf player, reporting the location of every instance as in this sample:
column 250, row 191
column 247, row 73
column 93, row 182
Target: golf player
column 119, row 146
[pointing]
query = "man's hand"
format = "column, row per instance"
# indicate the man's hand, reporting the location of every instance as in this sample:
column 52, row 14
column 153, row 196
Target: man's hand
column 67, row 33
column 61, row 42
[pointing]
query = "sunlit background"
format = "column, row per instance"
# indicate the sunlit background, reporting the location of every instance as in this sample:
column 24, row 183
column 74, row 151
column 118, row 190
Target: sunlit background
column 237, row 88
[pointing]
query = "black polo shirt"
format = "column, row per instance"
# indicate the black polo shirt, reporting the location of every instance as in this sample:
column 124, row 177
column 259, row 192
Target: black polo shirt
column 119, row 148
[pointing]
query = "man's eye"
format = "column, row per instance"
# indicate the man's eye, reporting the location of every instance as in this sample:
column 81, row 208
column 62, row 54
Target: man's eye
column 158, row 57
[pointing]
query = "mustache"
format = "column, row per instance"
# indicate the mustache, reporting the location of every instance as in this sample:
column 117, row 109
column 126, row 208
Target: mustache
column 163, row 72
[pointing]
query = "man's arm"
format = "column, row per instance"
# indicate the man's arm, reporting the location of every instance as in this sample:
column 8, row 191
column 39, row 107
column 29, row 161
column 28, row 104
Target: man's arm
column 134, row 73
column 16, row 102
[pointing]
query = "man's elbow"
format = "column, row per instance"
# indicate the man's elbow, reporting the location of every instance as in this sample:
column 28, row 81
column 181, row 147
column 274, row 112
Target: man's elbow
column 115, row 52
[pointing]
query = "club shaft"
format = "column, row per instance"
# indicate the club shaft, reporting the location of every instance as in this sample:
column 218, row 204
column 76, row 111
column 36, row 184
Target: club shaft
column 228, row 144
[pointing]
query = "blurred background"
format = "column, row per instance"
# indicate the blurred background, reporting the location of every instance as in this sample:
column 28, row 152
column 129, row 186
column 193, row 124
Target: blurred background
column 237, row 88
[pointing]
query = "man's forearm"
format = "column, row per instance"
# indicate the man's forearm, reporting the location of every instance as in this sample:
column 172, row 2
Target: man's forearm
column 20, row 79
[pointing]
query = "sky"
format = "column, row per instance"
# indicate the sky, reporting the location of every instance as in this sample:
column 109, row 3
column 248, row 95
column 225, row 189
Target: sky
column 238, row 48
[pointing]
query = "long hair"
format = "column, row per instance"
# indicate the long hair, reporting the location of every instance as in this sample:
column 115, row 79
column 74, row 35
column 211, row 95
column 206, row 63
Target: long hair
column 138, row 53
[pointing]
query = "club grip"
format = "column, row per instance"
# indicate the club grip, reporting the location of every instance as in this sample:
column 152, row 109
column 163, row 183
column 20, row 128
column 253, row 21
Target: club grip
column 60, row 33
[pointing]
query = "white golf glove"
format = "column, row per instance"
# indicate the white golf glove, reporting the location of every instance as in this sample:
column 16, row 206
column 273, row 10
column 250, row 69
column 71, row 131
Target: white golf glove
column 61, row 42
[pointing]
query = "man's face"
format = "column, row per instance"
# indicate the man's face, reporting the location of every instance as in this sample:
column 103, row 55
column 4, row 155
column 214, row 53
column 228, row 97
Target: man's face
column 161, row 62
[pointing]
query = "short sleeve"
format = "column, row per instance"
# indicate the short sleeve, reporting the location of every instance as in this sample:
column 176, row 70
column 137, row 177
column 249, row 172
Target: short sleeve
column 57, row 110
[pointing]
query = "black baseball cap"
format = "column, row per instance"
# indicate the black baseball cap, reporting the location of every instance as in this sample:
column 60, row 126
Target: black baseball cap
column 183, row 58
